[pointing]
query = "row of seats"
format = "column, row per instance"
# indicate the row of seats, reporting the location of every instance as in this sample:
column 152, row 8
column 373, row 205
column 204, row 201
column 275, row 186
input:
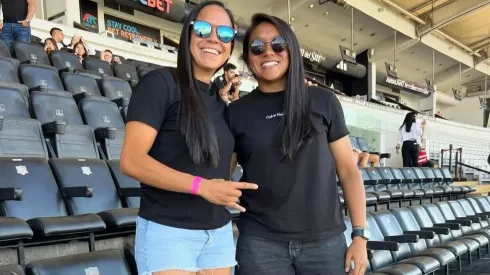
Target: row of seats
column 384, row 185
column 362, row 144
column 422, row 239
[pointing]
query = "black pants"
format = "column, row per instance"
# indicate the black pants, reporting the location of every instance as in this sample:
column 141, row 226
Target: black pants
column 257, row 256
column 410, row 153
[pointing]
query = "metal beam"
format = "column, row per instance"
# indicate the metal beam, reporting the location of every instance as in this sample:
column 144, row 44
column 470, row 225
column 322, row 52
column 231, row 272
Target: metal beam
column 385, row 49
column 448, row 14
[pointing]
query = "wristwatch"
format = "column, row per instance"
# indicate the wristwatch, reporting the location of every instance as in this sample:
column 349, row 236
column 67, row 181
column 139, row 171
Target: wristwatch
column 360, row 232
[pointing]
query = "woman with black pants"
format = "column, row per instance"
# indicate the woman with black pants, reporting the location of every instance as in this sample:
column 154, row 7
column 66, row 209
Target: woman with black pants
column 410, row 138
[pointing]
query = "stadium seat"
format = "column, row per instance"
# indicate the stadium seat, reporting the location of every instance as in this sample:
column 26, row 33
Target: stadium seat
column 11, row 270
column 65, row 61
column 477, row 225
column 31, row 53
column 450, row 182
column 405, row 183
column 385, row 261
column 417, row 247
column 104, row 117
column 128, row 188
column 116, row 90
column 425, row 182
column 80, row 85
column 414, row 182
column 8, row 70
column 126, row 72
column 92, row 263
column 438, row 182
column 370, row 189
column 4, row 50
column 385, row 185
column 38, row 200
column 98, row 66
column 63, row 125
column 40, row 77
column 428, row 236
column 397, row 182
column 104, row 200
column 14, row 100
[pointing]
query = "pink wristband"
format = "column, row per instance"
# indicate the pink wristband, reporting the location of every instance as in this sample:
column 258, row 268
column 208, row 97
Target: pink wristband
column 196, row 181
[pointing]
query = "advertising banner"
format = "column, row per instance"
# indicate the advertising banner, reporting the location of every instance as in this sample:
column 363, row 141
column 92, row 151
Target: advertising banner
column 89, row 15
column 126, row 30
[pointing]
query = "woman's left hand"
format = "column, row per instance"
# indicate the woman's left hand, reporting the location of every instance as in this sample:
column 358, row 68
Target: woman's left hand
column 357, row 252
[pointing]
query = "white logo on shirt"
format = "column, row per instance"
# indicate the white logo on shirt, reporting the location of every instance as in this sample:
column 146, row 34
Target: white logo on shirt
column 273, row 115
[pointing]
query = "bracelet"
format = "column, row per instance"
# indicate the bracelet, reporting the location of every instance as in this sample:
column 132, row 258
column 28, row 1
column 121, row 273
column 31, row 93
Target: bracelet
column 196, row 182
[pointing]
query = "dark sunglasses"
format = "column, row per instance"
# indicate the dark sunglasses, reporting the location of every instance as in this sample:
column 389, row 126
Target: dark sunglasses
column 278, row 45
column 203, row 29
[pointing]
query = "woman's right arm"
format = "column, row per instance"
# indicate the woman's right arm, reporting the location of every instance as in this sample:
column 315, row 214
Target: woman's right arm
column 136, row 163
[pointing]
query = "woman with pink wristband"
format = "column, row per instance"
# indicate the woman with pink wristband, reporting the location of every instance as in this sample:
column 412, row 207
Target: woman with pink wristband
column 179, row 146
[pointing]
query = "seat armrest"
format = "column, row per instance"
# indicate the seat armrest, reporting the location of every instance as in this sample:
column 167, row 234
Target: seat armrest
column 463, row 179
column 77, row 192
column 370, row 182
column 29, row 61
column 121, row 102
column 427, row 180
column 437, row 179
column 482, row 216
column 10, row 194
column 396, row 181
column 437, row 230
column 105, row 133
column 451, row 226
column 424, row 234
column 462, row 222
column 130, row 192
column 407, row 180
column 375, row 153
column 1, row 122
column 447, row 179
column 81, row 96
column 384, row 181
column 54, row 127
column 385, row 156
column 383, row 245
column 473, row 219
column 409, row 238
column 417, row 180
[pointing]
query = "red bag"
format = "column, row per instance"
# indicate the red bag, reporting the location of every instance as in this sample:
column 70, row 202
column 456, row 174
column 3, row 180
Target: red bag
column 423, row 157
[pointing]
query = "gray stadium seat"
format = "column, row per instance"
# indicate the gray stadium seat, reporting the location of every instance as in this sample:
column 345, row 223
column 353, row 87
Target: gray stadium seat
column 98, row 66
column 116, row 90
column 31, row 53
column 126, row 72
column 8, row 70
column 65, row 61
column 40, row 77
column 4, row 50
column 80, row 85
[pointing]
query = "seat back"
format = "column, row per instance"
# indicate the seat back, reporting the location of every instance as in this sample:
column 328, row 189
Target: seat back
column 92, row 263
column 365, row 176
column 40, row 194
column 424, row 220
column 76, row 83
column 93, row 173
column 363, row 144
column 448, row 214
column 4, row 49
column 437, row 217
column 78, row 140
column 31, row 52
column 420, row 175
column 13, row 100
column 467, row 207
column 64, row 60
column 8, row 70
column 459, row 212
column 125, row 72
column 446, row 173
column 114, row 88
column 483, row 203
column 354, row 143
column 428, row 172
column 381, row 258
column 408, row 222
column 123, row 181
column 385, row 173
column 101, row 113
column 389, row 226
column 40, row 76
column 97, row 65
column 474, row 205
column 373, row 173
column 21, row 138
column 408, row 173
column 437, row 173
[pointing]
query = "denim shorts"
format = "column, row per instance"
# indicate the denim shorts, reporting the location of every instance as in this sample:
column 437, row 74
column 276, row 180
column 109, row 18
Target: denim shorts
column 161, row 248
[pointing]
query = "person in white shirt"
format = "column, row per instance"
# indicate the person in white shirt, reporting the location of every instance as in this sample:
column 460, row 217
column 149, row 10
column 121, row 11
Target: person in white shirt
column 410, row 139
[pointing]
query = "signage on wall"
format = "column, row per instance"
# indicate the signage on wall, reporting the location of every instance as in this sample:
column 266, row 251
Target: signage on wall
column 161, row 5
column 312, row 56
column 407, row 86
column 126, row 30
column 89, row 15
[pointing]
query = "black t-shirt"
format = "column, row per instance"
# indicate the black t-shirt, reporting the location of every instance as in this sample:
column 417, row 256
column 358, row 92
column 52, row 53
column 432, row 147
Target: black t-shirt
column 14, row 10
column 298, row 199
column 219, row 83
column 155, row 102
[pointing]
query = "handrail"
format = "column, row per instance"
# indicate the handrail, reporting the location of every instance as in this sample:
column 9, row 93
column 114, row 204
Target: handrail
column 473, row 167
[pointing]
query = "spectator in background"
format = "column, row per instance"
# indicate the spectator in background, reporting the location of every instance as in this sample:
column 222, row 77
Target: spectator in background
column 228, row 84
column 77, row 38
column 410, row 139
column 50, row 45
column 17, row 16
column 106, row 56
column 80, row 51
column 116, row 59
column 364, row 158
column 58, row 36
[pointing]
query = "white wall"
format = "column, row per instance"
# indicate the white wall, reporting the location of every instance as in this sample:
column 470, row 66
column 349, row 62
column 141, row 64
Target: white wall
column 467, row 111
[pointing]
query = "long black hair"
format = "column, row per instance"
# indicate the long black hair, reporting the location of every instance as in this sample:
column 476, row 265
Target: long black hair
column 295, row 127
column 195, row 123
column 408, row 121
